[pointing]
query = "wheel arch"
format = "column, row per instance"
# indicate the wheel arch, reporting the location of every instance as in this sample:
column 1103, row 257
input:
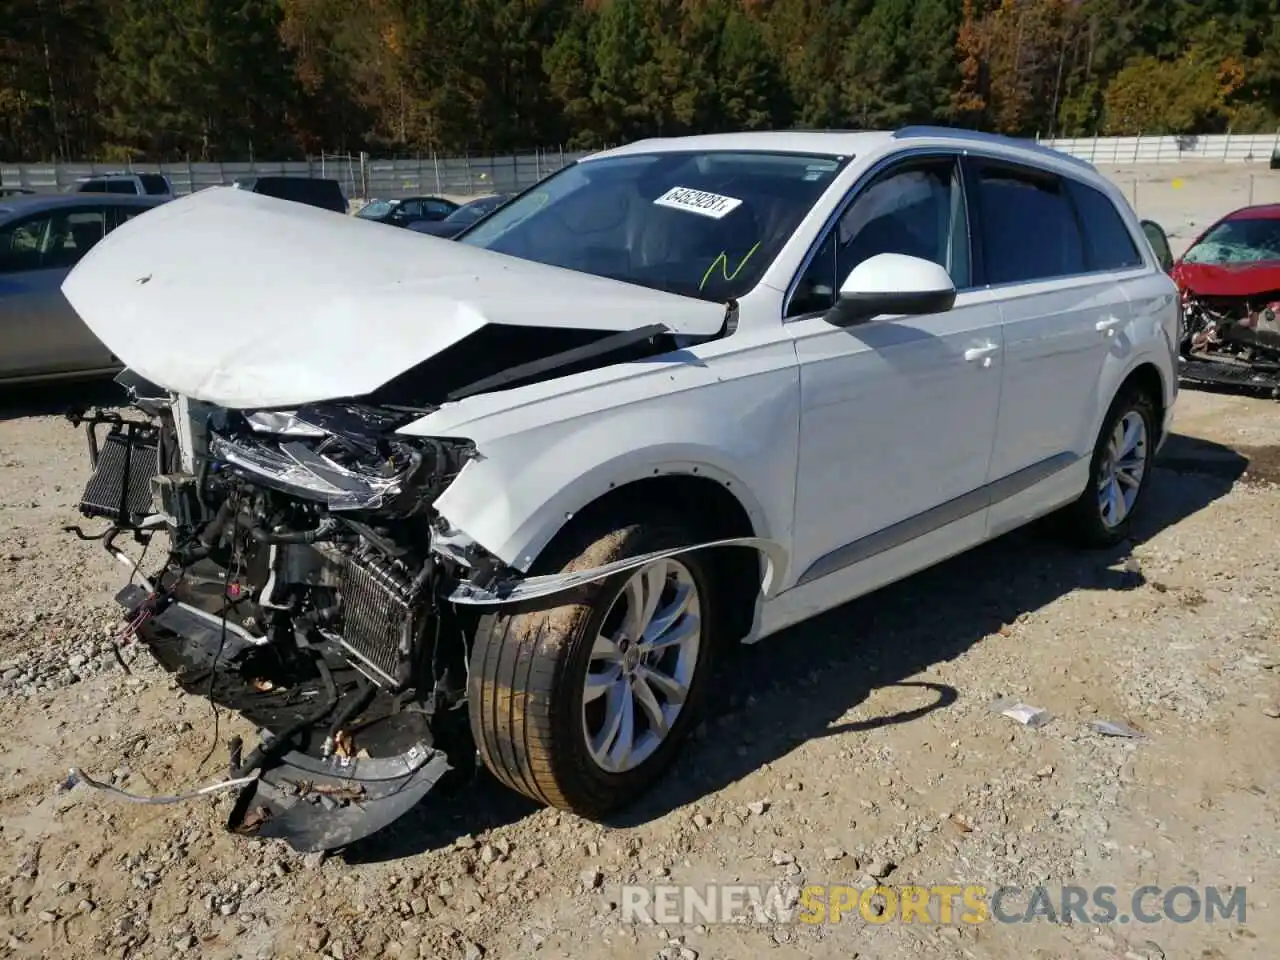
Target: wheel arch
column 1146, row 376
column 712, row 501
column 712, row 510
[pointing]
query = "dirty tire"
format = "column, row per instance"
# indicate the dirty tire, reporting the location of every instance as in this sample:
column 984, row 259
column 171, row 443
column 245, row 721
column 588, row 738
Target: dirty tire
column 525, row 689
column 1081, row 523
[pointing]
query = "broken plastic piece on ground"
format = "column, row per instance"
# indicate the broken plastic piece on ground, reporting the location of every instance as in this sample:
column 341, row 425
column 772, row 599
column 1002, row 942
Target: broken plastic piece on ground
column 315, row 804
column 1116, row 728
column 1024, row 713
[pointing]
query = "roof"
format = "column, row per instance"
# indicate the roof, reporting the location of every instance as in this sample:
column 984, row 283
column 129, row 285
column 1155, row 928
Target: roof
column 842, row 143
column 1261, row 211
column 39, row 202
column 834, row 143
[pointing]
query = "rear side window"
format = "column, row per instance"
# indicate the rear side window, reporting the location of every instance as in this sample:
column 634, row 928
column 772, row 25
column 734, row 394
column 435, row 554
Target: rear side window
column 122, row 186
column 93, row 186
column 1109, row 244
column 1029, row 228
column 154, row 184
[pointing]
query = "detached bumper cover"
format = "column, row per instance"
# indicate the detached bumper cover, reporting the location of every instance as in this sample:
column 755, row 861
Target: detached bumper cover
column 315, row 804
column 312, row 802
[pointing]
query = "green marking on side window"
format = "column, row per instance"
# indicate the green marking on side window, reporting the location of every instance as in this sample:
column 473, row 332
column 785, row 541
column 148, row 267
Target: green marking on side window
column 722, row 261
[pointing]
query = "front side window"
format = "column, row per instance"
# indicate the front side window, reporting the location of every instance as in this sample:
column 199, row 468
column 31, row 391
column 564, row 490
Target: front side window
column 1029, row 227
column 50, row 241
column 1244, row 240
column 22, row 244
column 917, row 209
column 704, row 224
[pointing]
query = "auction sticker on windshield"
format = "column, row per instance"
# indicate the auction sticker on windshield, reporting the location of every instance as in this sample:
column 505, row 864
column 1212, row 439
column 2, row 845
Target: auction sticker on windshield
column 698, row 201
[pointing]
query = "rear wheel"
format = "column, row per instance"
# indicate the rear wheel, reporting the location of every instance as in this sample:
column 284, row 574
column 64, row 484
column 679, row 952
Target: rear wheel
column 1119, row 473
column 585, row 705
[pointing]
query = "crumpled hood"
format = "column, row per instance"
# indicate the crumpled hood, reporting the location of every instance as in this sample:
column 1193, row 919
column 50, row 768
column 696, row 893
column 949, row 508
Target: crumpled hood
column 1227, row 280
column 243, row 300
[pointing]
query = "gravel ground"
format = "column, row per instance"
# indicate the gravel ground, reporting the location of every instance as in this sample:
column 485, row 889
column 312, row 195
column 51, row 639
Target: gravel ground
column 862, row 744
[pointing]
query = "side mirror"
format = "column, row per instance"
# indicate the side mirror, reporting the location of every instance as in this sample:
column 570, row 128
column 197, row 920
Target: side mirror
column 892, row 283
column 1159, row 241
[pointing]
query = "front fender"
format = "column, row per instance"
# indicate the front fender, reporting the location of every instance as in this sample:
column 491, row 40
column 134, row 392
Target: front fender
column 727, row 411
column 514, row 516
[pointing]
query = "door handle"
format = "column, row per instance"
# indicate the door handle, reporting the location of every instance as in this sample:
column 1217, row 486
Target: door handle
column 1109, row 325
column 982, row 353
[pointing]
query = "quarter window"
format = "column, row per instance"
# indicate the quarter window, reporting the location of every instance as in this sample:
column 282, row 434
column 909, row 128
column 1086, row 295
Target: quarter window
column 1029, row 228
column 917, row 209
column 1110, row 245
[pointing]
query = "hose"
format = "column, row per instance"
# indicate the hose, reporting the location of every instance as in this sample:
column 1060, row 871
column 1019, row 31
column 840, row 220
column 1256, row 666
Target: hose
column 272, row 749
column 326, row 527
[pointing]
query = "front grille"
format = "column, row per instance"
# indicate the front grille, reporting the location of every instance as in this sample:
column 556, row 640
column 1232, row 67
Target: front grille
column 379, row 618
column 120, row 488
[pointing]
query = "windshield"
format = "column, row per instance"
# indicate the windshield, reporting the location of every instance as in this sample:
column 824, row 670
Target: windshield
column 704, row 224
column 1238, row 241
column 376, row 208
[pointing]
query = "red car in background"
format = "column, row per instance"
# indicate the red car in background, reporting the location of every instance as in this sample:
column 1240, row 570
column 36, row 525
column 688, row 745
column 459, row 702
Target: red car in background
column 1229, row 279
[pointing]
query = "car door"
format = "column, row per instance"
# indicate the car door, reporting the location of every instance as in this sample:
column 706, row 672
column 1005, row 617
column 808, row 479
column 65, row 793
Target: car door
column 898, row 414
column 437, row 209
column 1062, row 305
column 41, row 332
column 407, row 213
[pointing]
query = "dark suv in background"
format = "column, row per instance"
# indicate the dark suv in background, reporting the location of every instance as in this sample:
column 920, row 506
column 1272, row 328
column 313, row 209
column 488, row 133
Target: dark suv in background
column 315, row 191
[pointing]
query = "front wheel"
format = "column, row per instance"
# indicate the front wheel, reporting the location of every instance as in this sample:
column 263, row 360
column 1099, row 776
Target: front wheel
column 1119, row 473
column 584, row 706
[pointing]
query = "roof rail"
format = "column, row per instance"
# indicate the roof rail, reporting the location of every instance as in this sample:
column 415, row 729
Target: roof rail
column 995, row 139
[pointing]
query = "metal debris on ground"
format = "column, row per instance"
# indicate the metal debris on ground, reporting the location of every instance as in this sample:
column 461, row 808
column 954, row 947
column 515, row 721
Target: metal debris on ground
column 78, row 776
column 1116, row 728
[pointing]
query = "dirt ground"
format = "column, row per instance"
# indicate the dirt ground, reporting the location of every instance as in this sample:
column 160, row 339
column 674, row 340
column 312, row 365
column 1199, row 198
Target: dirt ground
column 1185, row 198
column 861, row 744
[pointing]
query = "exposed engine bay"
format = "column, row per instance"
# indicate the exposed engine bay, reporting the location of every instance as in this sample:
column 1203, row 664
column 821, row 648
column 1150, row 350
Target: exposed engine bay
column 298, row 589
column 1232, row 340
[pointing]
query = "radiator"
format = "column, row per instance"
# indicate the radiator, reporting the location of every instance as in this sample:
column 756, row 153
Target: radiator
column 120, row 488
column 379, row 618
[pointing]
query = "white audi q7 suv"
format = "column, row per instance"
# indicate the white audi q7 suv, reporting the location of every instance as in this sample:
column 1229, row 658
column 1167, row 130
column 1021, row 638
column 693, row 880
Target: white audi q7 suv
column 507, row 496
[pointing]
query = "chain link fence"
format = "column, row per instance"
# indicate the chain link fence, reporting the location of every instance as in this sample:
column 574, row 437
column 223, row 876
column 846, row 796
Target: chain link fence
column 362, row 177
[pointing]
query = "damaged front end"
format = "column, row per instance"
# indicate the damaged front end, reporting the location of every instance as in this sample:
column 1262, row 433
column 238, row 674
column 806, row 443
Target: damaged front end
column 298, row 588
column 1232, row 341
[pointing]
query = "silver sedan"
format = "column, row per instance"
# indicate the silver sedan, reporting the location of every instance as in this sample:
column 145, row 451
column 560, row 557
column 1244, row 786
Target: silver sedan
column 42, row 237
